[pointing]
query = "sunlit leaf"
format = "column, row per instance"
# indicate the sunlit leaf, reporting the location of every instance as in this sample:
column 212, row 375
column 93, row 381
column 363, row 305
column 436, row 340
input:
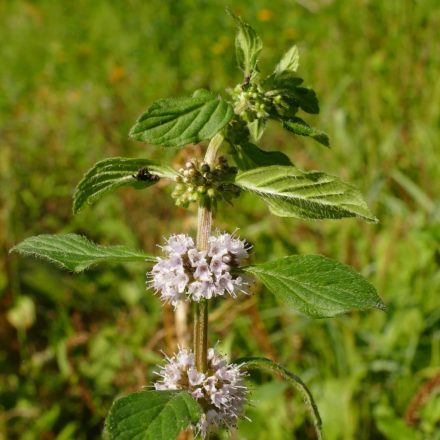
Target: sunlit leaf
column 75, row 252
column 152, row 415
column 290, row 192
column 317, row 286
column 248, row 46
column 116, row 172
column 179, row 121
column 289, row 62
column 256, row 129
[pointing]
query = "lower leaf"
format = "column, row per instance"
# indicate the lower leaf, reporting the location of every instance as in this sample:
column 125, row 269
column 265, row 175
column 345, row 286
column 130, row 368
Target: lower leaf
column 152, row 415
column 75, row 252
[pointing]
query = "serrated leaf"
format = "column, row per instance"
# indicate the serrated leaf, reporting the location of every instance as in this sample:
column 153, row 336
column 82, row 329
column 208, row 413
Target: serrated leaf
column 317, row 286
column 252, row 363
column 301, row 128
column 248, row 156
column 152, row 415
column 75, row 252
column 180, row 121
column 113, row 173
column 289, row 62
column 290, row 192
column 248, row 46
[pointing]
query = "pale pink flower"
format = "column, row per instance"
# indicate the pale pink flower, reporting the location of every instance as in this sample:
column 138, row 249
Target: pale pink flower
column 221, row 391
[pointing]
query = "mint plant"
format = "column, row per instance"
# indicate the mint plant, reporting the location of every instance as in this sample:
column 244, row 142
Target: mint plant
column 199, row 388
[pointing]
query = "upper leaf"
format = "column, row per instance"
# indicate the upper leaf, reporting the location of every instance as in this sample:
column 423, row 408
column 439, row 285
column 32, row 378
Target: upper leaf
column 317, row 286
column 281, row 83
column 152, row 415
column 306, row 99
column 110, row 174
column 256, row 129
column 175, row 122
column 252, row 363
column 248, row 156
column 301, row 128
column 248, row 46
column 289, row 62
column 290, row 192
column 75, row 252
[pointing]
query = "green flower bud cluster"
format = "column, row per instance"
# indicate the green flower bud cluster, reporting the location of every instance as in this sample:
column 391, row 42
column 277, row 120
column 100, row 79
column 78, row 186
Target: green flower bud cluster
column 250, row 102
column 205, row 184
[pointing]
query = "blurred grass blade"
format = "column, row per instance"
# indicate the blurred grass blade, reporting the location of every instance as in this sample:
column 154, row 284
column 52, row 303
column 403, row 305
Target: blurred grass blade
column 317, row 286
column 75, row 252
column 301, row 128
column 252, row 363
column 116, row 172
column 179, row 121
column 152, row 415
column 419, row 196
column 290, row 192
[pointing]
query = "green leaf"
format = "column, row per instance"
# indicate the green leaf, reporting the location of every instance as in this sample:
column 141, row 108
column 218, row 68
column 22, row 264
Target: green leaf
column 252, row 363
column 301, row 128
column 248, row 156
column 289, row 62
column 74, row 252
column 180, row 121
column 290, row 192
column 152, row 415
column 113, row 173
column 248, row 46
column 281, row 83
column 317, row 286
column 256, row 129
column 306, row 99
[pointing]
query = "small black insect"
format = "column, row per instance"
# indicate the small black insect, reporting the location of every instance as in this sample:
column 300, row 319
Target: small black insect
column 246, row 81
column 144, row 175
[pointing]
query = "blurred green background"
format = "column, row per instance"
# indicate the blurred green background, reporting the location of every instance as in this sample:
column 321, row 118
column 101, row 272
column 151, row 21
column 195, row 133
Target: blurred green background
column 75, row 75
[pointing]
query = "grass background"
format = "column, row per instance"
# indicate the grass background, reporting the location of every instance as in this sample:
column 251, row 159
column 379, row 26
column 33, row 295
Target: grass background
column 74, row 77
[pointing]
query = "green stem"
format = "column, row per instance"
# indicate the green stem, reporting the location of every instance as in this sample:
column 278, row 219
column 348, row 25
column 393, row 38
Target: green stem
column 204, row 227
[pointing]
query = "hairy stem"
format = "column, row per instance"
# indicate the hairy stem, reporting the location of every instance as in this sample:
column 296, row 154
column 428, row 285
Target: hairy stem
column 204, row 227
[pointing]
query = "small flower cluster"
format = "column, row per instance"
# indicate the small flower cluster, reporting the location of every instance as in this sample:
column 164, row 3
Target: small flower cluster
column 250, row 102
column 187, row 273
column 220, row 391
column 205, row 184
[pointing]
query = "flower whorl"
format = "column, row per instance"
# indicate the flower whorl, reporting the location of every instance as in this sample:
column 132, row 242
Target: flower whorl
column 220, row 391
column 187, row 273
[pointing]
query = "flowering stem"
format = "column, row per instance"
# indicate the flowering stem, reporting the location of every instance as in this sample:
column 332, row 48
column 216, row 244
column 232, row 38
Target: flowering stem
column 204, row 227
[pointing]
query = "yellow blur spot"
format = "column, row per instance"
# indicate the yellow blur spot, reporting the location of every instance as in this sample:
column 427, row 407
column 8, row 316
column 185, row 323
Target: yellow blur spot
column 265, row 15
column 74, row 96
column 117, row 74
column 221, row 45
column 33, row 12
